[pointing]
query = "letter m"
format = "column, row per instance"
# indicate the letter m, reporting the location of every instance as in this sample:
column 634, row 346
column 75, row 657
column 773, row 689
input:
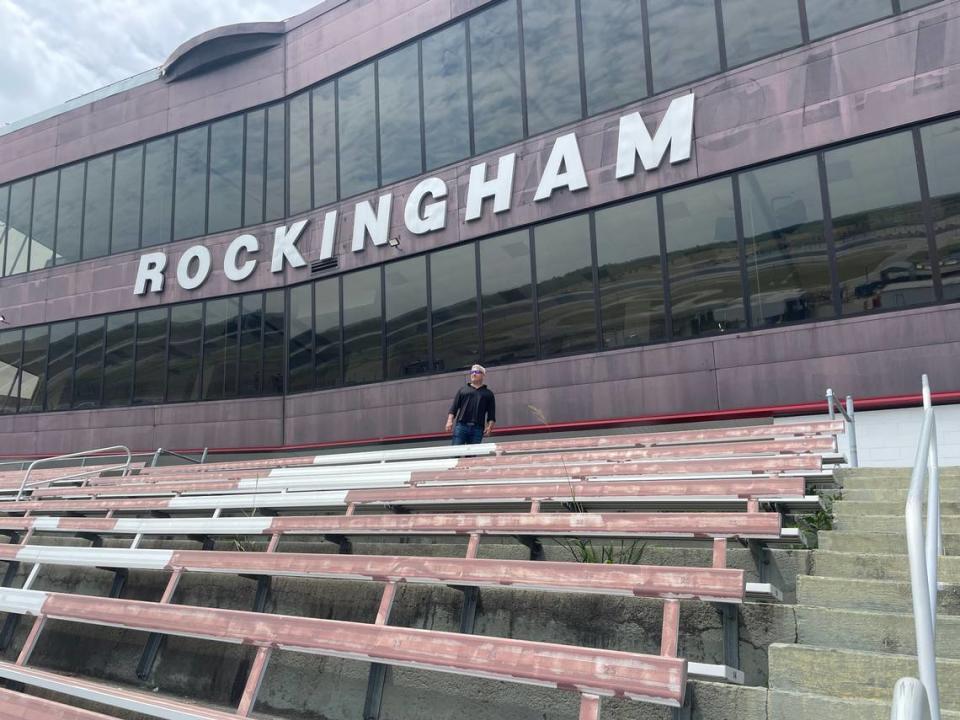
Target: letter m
column 675, row 132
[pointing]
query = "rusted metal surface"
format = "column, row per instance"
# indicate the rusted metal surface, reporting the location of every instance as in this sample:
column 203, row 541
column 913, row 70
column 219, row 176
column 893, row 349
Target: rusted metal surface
column 31, row 642
column 719, row 553
column 386, row 603
column 589, row 707
column 254, row 680
column 671, row 628
column 17, row 706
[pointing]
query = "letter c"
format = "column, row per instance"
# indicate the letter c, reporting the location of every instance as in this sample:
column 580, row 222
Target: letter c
column 230, row 268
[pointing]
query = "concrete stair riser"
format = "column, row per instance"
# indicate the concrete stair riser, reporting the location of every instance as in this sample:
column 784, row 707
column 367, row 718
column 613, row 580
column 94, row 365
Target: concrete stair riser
column 875, row 566
column 894, row 496
column 889, row 478
column 782, row 705
column 854, row 508
column 884, row 543
column 950, row 524
column 868, row 595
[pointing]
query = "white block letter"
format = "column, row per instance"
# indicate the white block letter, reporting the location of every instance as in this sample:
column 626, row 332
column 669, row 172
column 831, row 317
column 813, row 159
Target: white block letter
column 676, row 131
column 184, row 278
column 377, row 224
column 500, row 188
column 150, row 271
column 434, row 215
column 230, row 268
column 285, row 246
column 329, row 234
column 564, row 168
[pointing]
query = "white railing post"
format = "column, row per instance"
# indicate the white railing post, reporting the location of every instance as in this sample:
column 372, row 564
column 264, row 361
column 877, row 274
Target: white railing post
column 83, row 453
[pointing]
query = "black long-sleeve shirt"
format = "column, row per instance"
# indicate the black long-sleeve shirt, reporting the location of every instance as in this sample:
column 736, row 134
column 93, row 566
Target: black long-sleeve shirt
column 474, row 405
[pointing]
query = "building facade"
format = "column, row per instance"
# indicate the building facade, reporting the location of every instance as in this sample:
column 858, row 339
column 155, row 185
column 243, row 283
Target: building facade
column 303, row 231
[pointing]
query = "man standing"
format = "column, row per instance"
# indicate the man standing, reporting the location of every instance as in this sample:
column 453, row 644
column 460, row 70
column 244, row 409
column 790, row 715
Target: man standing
column 474, row 410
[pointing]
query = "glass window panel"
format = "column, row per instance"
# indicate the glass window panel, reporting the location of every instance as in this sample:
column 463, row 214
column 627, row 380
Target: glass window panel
column 629, row 274
column 60, row 366
column 190, row 202
column 507, row 299
column 300, row 361
column 362, row 331
column 87, row 380
column 183, row 363
column 826, row 17
column 18, row 227
column 398, row 80
column 453, row 295
column 702, row 259
column 941, row 150
column 495, row 68
column 788, row 268
column 301, row 198
column 44, row 224
column 683, row 41
column 11, row 345
column 251, row 344
column 446, row 118
column 405, row 285
column 567, row 314
column 4, row 206
column 276, row 175
column 883, row 259
column 906, row 5
column 253, row 172
column 326, row 310
column 70, row 214
column 151, row 359
column 220, row 352
column 551, row 63
column 273, row 342
column 226, row 174
column 157, row 192
column 118, row 359
column 358, row 131
column 33, row 379
column 96, row 207
column 613, row 55
column 755, row 28
column 128, row 169
column 324, row 145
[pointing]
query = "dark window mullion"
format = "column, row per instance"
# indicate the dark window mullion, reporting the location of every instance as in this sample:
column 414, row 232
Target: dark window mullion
column 927, row 209
column 595, row 262
column 721, row 36
column 664, row 270
column 376, row 114
column 341, row 374
column 533, row 292
column 383, row 321
column 209, row 173
column 742, row 254
column 480, row 344
column 430, row 363
column 804, row 26
column 581, row 64
column 143, row 173
column 469, row 59
column 828, row 233
column 647, row 52
column 523, row 69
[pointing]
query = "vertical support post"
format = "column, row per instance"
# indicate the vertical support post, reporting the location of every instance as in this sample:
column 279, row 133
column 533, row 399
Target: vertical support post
column 589, row 707
column 730, row 622
column 156, row 457
column 31, row 642
column 753, row 506
column 852, row 433
column 386, row 603
column 31, row 578
column 719, row 553
column 11, row 572
column 378, row 671
column 152, row 648
column 351, row 509
column 274, row 542
column 473, row 546
column 534, row 507
column 254, row 680
column 671, row 628
column 759, row 559
column 203, row 458
column 831, row 411
column 27, row 536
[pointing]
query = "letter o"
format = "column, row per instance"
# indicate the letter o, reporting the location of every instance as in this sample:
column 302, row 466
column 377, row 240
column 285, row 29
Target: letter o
column 184, row 278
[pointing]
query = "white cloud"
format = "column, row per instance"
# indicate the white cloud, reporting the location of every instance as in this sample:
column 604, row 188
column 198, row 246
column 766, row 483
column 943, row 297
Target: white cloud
column 55, row 50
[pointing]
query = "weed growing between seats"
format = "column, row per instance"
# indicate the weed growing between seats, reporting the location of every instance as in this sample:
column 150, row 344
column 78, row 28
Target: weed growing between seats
column 822, row 519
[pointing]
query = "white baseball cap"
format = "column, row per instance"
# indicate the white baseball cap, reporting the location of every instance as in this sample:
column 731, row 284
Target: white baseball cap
column 479, row 369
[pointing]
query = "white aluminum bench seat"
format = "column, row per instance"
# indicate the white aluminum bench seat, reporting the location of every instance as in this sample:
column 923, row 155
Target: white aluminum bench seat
column 18, row 706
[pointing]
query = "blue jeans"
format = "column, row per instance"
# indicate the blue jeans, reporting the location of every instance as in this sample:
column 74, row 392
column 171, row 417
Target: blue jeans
column 464, row 434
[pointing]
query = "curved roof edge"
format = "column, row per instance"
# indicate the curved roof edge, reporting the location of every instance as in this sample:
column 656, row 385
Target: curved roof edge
column 220, row 46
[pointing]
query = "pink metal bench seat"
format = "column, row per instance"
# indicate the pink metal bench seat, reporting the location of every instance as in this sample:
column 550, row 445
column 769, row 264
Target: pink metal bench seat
column 18, row 706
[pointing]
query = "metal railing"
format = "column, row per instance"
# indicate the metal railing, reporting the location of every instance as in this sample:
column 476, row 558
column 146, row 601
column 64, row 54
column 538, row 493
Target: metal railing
column 909, row 701
column 924, row 547
column 848, row 413
column 83, row 453
column 161, row 451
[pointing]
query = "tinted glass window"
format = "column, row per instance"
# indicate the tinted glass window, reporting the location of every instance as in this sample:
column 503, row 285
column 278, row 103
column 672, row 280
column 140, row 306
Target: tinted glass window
column 251, row 344
column 453, row 295
column 44, row 220
column 398, row 80
column 327, row 331
column 358, row 131
column 702, row 260
column 11, row 342
column 568, row 321
column 220, row 351
column 226, row 174
column 754, row 28
column 362, row 351
column 826, row 17
column 941, row 149
column 446, row 121
column 33, row 380
column 253, row 171
column 151, row 359
column 97, row 209
column 118, row 359
column 276, row 176
column 4, row 206
column 788, row 268
column 86, row 386
column 883, row 260
column 324, row 145
column 273, row 342
column 301, row 198
column 18, row 227
column 552, row 67
column 629, row 275
column 683, row 41
column 507, row 300
column 157, row 192
column 70, row 214
column 183, row 364
column 60, row 366
column 300, row 337
column 613, row 55
column 495, row 66
column 405, row 284
column 912, row 4
column 190, row 203
column 128, row 168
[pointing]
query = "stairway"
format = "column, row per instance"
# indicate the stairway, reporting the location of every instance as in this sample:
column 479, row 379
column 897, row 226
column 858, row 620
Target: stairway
column 855, row 631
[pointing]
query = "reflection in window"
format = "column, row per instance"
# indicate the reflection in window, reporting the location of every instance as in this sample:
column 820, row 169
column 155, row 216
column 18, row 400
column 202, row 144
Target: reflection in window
column 613, row 53
column 96, row 207
column 70, row 214
column 220, row 353
column 151, row 358
column 183, row 363
column 18, row 227
column 118, row 359
column 273, row 342
column 702, row 259
column 324, row 145
column 190, row 202
column 941, row 150
column 11, row 342
column 906, row 5
column 60, row 366
column 883, row 260
column 786, row 252
column 33, row 381
column 276, row 172
column 453, row 297
column 300, row 338
column 755, row 28
column 495, row 67
column 629, row 275
column 683, row 41
column 251, row 344
column 362, row 351
column 507, row 299
column 90, row 363
column 326, row 323
column 256, row 149
column 552, row 67
column 157, row 192
column 358, row 131
column 226, row 174
column 566, row 311
column 301, row 198
column 405, row 285
column 826, row 17
column 126, row 200
column 398, row 81
column 44, row 220
column 446, row 122
column 4, row 206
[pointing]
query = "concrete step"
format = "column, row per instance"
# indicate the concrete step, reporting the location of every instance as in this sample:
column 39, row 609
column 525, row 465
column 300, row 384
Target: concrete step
column 889, row 478
column 876, row 566
column 783, row 705
column 886, row 543
column 896, row 496
column 856, row 508
column 868, row 595
column 853, row 674
column 950, row 524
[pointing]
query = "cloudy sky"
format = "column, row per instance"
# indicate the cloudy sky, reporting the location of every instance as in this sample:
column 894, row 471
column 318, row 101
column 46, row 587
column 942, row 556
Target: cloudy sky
column 55, row 50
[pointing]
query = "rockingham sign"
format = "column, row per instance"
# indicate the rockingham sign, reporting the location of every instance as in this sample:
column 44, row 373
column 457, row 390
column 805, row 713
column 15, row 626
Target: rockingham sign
column 426, row 208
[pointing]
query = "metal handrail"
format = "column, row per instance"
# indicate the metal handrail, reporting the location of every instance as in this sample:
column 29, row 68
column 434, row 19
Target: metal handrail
column 909, row 701
column 161, row 451
column 924, row 546
column 849, row 414
column 83, row 453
